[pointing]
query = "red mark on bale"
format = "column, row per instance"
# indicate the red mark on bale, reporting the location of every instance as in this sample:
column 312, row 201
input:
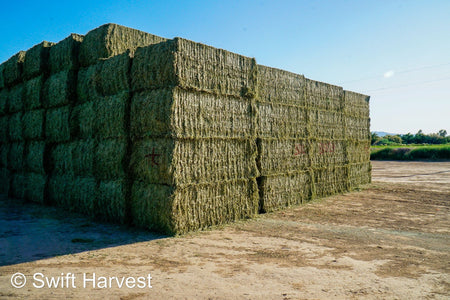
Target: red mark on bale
column 299, row 149
column 153, row 157
column 326, row 147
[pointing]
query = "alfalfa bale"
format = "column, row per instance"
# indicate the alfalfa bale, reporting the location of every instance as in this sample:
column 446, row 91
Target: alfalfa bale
column 32, row 95
column 36, row 60
column 110, row 113
column 64, row 54
column 328, row 152
column 16, row 156
column 83, row 195
column 320, row 95
column 283, row 190
column 114, row 74
column 359, row 173
column 82, row 118
column 109, row 159
column 60, row 89
column 33, row 124
column 2, row 80
column 83, row 157
column 356, row 105
column 4, row 130
column 61, row 161
column 15, row 98
column 17, row 186
column 57, row 127
column 188, row 161
column 34, row 157
column 179, row 210
column 5, row 181
column 279, row 86
column 15, row 127
column 326, row 124
column 111, row 200
column 281, row 121
column 110, row 40
column 88, row 84
column 12, row 69
column 35, row 185
column 4, row 95
column 357, row 128
column 358, row 151
column 329, row 180
column 279, row 156
column 4, row 149
column 59, row 187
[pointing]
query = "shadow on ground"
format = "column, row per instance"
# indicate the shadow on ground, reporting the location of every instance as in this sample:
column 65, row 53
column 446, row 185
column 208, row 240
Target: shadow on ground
column 30, row 232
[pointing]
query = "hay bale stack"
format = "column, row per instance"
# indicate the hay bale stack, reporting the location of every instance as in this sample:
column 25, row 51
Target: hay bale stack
column 34, row 157
column 32, row 93
column 63, row 56
column 57, row 127
column 15, row 128
column 320, row 95
column 15, row 98
column 35, row 187
column 60, row 89
column 359, row 173
column 33, row 125
column 110, row 40
column 112, row 200
column 83, row 157
column 13, row 69
column 109, row 121
column 3, row 102
column 4, row 129
column 2, row 79
column 329, row 180
column 36, row 60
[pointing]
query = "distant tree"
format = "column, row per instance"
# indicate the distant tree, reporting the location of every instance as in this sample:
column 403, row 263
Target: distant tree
column 408, row 138
column 442, row 133
column 396, row 139
column 375, row 138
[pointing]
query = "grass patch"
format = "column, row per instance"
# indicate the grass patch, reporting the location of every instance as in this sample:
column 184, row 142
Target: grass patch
column 431, row 152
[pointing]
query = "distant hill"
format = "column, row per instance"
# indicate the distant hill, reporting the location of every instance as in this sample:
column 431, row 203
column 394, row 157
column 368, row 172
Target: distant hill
column 383, row 133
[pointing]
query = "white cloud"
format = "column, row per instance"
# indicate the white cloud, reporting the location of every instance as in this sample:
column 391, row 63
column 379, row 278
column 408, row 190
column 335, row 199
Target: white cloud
column 389, row 74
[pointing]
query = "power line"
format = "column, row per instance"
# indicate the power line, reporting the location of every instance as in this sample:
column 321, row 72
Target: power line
column 410, row 84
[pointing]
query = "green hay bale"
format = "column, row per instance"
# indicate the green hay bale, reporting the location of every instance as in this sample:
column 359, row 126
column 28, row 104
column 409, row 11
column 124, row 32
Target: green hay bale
column 359, row 173
column 167, row 161
column 15, row 98
column 4, row 149
column 83, row 195
column 57, row 127
column 61, row 159
column 358, row 151
column 4, row 130
column 12, row 69
column 64, row 54
column 15, row 127
column 82, row 118
column 357, row 128
column 35, row 187
column 193, row 66
column 110, row 40
column 320, row 95
column 179, row 210
column 114, row 74
column 356, row 105
column 328, row 152
column 33, row 124
column 109, row 119
column 88, row 84
column 326, row 124
column 279, row 86
column 34, row 157
column 279, row 156
column 109, row 159
column 2, row 80
column 60, row 89
column 33, row 87
column 59, row 187
column 284, row 190
column 16, row 157
column 111, row 199
column 83, row 157
column 5, row 181
column 17, row 186
column 281, row 121
column 4, row 95
column 36, row 60
column 330, row 180
column 186, row 114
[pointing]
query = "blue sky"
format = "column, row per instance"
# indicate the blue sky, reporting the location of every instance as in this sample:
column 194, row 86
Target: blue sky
column 398, row 52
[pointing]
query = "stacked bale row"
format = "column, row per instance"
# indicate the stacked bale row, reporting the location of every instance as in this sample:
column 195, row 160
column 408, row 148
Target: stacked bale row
column 193, row 132
column 308, row 144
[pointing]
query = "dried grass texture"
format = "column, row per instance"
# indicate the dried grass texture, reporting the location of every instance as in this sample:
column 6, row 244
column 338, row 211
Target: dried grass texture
column 16, row 157
column 35, row 185
column 179, row 210
column 114, row 74
column 88, row 84
column 328, row 152
column 110, row 40
column 82, row 195
column 33, row 124
column 359, row 173
column 15, row 98
column 32, row 95
column 5, row 181
column 320, row 95
column 15, row 127
column 111, row 199
column 357, row 128
column 36, row 60
column 109, row 121
column 12, row 69
column 358, row 151
column 356, row 105
column 182, row 162
column 60, row 89
column 57, row 128
column 34, row 157
column 109, row 159
column 325, row 124
column 4, row 150
column 64, row 54
column 4, row 129
column 82, row 118
column 2, row 79
column 186, row 114
column 330, row 180
column 83, row 157
column 17, row 186
column 59, row 188
column 61, row 162
column 4, row 95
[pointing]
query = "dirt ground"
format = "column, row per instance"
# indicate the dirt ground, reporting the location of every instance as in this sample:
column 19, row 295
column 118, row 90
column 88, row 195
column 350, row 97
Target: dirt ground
column 389, row 240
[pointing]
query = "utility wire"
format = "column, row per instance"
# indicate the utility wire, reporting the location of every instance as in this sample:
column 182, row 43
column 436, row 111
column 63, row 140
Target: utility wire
column 410, row 84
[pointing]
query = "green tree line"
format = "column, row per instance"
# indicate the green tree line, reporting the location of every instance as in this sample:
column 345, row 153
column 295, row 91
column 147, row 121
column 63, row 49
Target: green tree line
column 407, row 139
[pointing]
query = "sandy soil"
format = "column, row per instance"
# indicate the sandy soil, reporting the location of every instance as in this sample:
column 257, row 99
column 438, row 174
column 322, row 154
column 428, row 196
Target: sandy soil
column 389, row 240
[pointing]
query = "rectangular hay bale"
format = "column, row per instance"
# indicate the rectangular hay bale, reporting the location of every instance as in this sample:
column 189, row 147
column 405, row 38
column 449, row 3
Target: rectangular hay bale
column 111, row 199
column 320, row 95
column 61, row 161
column 33, row 124
column 328, row 152
column 82, row 195
column 4, row 96
column 4, row 129
column 88, row 84
column 32, row 95
column 109, row 121
column 82, row 118
column 359, row 174
column 356, row 105
column 5, row 181
column 15, row 98
column 109, row 159
column 330, row 180
column 114, row 74
column 34, row 157
column 326, row 124
column 13, row 68
column 35, row 188
column 16, row 157
column 17, row 186
column 60, row 89
column 59, row 187
column 36, row 60
column 4, row 150
column 15, row 127
column 64, row 54
column 57, row 128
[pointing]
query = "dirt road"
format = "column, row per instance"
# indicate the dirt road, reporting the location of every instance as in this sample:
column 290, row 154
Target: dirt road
column 390, row 240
